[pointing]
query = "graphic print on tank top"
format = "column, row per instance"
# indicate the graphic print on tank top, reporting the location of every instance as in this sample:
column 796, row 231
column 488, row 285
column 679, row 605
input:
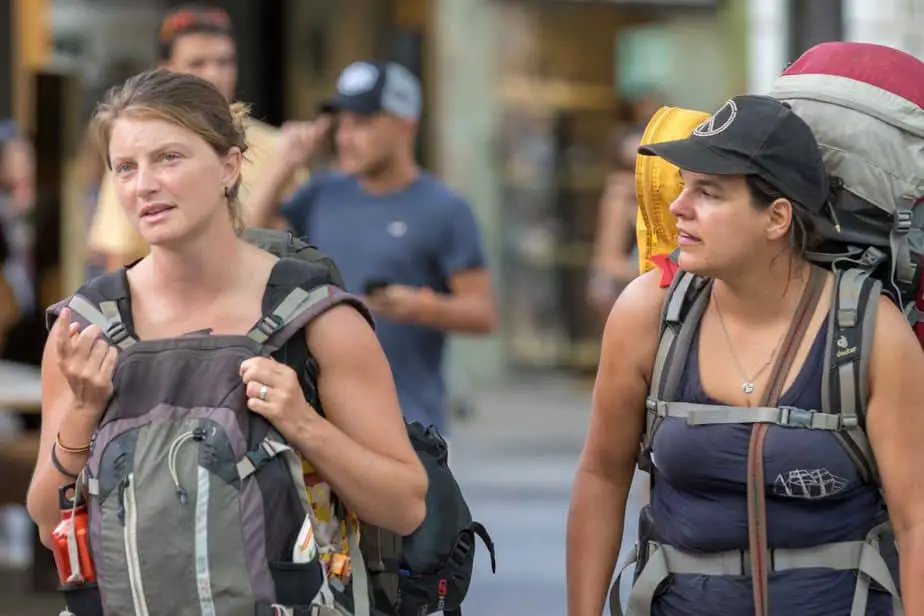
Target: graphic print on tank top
column 814, row 495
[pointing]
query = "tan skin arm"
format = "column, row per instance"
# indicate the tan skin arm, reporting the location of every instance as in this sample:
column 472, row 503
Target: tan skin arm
column 895, row 424
column 60, row 413
column 469, row 308
column 362, row 448
column 607, row 463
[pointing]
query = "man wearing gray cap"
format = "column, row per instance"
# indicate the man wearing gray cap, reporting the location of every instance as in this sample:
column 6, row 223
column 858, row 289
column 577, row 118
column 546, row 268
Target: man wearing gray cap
column 400, row 237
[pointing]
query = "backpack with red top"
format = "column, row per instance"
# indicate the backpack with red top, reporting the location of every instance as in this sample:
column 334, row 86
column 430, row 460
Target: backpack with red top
column 865, row 104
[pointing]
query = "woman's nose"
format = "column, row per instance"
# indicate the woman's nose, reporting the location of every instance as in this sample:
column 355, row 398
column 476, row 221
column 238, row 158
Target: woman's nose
column 145, row 180
column 680, row 207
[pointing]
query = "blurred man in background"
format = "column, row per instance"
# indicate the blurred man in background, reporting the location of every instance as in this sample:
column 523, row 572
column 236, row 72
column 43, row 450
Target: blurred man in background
column 198, row 40
column 401, row 238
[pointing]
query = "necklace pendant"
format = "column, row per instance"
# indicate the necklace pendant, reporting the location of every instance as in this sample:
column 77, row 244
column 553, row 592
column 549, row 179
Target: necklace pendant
column 747, row 387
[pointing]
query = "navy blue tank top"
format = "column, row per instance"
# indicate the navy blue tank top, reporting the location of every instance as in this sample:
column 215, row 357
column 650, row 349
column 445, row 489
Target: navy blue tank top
column 815, row 495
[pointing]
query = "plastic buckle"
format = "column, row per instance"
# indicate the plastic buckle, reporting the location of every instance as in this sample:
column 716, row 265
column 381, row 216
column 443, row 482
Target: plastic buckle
column 796, row 417
column 116, row 332
column 903, row 221
column 269, row 325
column 259, row 457
column 872, row 257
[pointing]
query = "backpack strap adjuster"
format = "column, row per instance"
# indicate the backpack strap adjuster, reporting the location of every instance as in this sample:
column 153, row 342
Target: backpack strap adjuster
column 903, row 221
column 269, row 325
column 117, row 333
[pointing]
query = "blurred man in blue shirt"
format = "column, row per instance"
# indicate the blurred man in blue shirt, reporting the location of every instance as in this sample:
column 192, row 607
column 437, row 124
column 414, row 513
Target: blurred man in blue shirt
column 401, row 238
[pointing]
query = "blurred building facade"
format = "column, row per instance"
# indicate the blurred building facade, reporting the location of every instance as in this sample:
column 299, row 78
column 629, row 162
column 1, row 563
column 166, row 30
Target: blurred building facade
column 521, row 96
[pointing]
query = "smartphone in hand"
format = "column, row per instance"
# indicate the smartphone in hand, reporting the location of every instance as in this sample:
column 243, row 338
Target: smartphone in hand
column 373, row 285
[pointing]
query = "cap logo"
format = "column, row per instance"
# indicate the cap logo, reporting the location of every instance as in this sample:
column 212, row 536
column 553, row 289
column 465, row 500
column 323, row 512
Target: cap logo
column 357, row 79
column 719, row 121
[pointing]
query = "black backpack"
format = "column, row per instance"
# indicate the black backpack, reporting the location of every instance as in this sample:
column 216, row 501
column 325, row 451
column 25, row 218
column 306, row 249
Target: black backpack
column 431, row 569
column 438, row 558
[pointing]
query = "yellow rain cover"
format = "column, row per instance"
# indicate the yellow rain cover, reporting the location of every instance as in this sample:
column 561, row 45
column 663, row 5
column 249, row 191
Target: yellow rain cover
column 658, row 183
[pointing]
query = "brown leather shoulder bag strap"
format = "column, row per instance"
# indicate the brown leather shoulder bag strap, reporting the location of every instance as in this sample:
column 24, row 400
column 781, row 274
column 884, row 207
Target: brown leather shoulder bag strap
column 757, row 504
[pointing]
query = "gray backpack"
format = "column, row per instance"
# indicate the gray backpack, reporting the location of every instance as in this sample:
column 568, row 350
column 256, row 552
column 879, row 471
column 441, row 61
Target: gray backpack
column 195, row 502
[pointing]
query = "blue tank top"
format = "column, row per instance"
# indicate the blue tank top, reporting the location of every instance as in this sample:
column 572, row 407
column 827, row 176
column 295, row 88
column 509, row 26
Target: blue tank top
column 815, row 495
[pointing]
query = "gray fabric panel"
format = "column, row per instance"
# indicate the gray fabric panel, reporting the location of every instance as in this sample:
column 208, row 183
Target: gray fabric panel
column 165, row 530
column 883, row 167
column 252, row 525
column 109, row 558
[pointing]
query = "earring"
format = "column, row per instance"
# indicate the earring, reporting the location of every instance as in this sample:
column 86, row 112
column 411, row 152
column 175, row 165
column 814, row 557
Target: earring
column 227, row 192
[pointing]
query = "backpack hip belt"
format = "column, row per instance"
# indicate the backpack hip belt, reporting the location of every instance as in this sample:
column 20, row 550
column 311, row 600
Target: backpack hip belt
column 864, row 557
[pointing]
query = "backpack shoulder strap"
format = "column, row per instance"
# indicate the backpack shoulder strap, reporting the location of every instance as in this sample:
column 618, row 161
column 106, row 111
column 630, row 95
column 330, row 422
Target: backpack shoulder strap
column 683, row 307
column 312, row 292
column 681, row 312
column 845, row 378
column 104, row 302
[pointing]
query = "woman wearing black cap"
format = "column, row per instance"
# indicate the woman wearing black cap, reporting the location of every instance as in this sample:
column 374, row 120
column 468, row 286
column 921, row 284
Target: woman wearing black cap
column 760, row 504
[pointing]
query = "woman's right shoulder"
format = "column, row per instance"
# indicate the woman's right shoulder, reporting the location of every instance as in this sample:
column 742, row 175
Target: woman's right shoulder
column 634, row 324
column 640, row 302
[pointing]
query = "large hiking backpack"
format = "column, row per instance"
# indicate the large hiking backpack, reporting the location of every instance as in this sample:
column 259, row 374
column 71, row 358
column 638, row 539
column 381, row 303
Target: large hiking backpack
column 437, row 559
column 863, row 102
column 195, row 502
column 428, row 571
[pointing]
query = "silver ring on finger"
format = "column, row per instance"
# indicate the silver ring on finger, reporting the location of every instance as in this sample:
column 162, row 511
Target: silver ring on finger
column 264, row 390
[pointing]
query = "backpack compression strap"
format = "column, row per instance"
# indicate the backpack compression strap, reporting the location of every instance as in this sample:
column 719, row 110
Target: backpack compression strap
column 108, row 291
column 295, row 311
column 312, row 293
column 845, row 386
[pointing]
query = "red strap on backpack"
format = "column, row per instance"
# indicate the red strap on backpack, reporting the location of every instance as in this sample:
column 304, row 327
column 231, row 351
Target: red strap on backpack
column 667, row 266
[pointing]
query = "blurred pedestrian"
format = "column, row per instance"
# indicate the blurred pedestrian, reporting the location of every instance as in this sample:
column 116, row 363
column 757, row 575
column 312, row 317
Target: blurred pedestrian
column 615, row 260
column 400, row 236
column 198, row 40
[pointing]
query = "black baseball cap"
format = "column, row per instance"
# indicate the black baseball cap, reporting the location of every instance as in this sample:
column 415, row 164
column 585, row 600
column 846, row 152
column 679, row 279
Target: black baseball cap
column 367, row 88
column 754, row 135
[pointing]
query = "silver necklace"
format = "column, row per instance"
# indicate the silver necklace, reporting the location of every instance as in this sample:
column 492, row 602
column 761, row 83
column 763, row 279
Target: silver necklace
column 747, row 385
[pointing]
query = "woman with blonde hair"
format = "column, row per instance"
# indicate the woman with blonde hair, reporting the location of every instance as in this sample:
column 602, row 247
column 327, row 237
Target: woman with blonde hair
column 174, row 383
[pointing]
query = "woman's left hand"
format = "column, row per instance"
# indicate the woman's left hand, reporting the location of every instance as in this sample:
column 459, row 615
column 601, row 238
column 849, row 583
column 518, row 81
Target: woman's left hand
column 274, row 391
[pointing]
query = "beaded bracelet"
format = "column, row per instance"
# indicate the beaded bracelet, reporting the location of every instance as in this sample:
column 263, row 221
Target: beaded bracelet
column 57, row 463
column 73, row 450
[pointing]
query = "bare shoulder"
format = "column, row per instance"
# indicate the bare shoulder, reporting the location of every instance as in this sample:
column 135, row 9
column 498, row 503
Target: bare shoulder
column 896, row 349
column 344, row 332
column 636, row 316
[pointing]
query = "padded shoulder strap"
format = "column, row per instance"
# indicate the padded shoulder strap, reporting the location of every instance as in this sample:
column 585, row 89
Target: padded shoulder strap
column 102, row 302
column 845, row 379
column 680, row 314
column 312, row 293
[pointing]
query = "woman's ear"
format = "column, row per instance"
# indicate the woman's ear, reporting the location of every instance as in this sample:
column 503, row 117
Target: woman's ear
column 779, row 219
column 231, row 166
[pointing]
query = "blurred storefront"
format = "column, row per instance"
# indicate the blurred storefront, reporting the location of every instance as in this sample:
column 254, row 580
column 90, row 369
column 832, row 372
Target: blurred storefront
column 520, row 98
column 566, row 72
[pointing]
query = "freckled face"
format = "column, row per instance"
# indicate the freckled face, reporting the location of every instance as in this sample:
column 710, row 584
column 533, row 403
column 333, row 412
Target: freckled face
column 168, row 179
